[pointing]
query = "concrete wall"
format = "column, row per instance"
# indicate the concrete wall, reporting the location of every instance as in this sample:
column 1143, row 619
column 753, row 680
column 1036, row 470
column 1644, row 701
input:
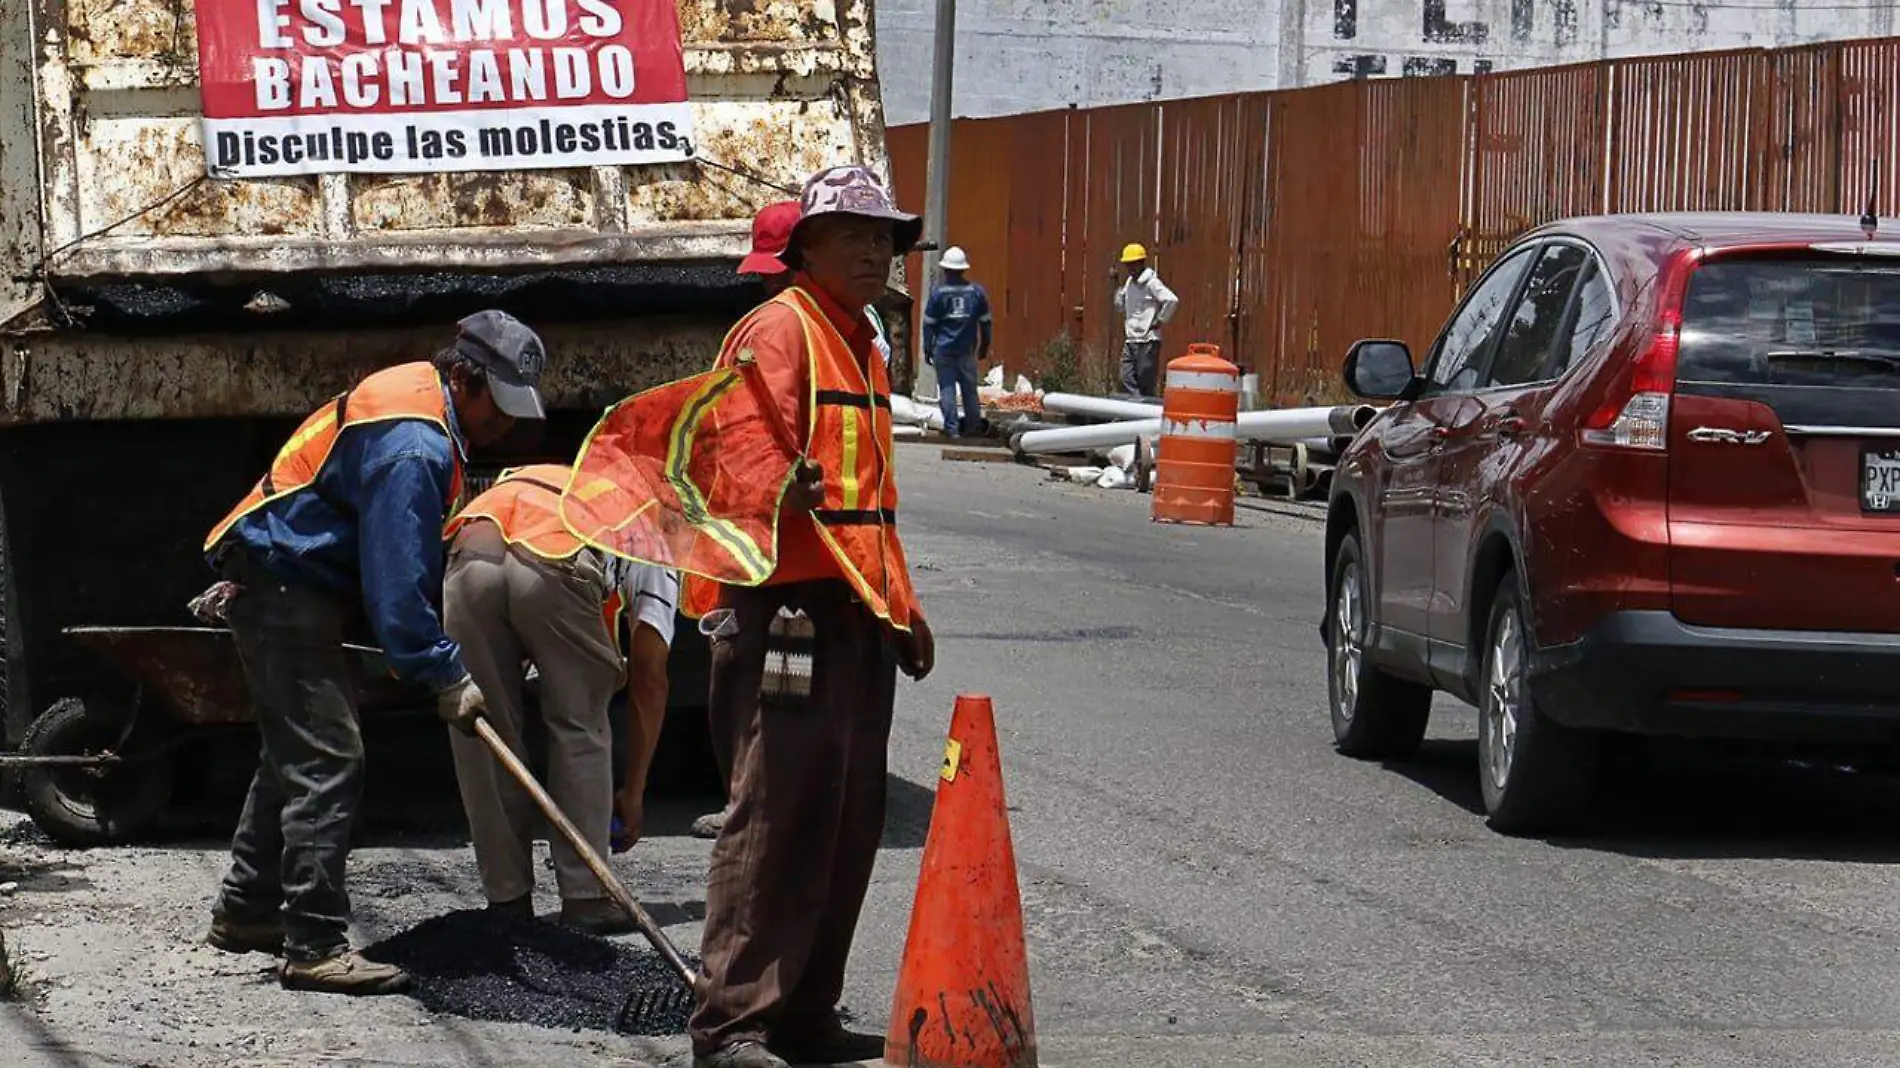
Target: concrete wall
column 1377, row 37
column 1022, row 55
column 1034, row 55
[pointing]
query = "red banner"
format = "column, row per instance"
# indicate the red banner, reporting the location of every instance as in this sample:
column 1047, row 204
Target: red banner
column 406, row 86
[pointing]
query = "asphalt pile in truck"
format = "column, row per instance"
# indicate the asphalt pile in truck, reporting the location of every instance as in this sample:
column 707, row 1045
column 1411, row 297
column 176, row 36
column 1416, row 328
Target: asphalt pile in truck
column 320, row 301
column 480, row 965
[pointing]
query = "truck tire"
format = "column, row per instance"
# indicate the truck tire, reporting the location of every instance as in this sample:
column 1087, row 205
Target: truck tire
column 79, row 806
column 12, row 675
column 1375, row 716
column 1536, row 775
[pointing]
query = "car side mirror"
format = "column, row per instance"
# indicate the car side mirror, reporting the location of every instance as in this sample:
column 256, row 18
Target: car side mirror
column 1380, row 370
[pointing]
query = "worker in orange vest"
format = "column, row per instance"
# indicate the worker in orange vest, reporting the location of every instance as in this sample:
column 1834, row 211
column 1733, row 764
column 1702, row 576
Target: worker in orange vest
column 804, row 664
column 521, row 584
column 347, row 519
column 771, row 234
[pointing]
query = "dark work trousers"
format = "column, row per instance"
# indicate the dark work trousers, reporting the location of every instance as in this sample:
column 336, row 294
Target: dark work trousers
column 1139, row 367
column 293, row 837
column 790, row 869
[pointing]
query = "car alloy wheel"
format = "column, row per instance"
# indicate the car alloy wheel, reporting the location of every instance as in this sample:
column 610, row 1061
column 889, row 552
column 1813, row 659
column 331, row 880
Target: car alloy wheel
column 1349, row 636
column 1503, row 700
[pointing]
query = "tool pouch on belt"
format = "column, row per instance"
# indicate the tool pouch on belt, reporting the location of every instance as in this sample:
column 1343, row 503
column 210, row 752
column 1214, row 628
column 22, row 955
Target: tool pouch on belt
column 791, row 647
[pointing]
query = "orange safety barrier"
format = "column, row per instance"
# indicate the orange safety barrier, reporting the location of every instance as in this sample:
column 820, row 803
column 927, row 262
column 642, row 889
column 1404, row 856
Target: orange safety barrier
column 962, row 996
column 1194, row 467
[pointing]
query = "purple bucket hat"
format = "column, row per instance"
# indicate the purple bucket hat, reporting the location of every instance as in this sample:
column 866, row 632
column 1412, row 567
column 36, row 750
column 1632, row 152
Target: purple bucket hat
column 855, row 190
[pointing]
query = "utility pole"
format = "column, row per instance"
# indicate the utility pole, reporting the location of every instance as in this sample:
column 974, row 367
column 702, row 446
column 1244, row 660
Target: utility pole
column 937, row 181
column 937, row 194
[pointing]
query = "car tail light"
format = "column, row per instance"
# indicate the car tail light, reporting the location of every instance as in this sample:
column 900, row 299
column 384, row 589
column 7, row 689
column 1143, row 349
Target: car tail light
column 1635, row 414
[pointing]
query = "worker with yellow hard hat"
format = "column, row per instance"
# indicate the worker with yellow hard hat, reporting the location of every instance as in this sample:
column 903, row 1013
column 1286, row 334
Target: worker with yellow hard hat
column 1145, row 303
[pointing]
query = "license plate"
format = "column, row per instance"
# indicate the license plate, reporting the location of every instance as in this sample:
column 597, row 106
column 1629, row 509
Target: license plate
column 1880, row 480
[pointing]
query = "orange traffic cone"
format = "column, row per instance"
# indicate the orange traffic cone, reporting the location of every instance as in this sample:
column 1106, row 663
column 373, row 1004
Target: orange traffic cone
column 963, row 991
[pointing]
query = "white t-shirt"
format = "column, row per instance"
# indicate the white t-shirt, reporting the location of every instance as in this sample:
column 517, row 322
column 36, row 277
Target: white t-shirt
column 879, row 339
column 651, row 595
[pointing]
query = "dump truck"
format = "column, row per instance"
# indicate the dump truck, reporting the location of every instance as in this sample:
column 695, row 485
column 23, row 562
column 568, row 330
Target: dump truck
column 169, row 318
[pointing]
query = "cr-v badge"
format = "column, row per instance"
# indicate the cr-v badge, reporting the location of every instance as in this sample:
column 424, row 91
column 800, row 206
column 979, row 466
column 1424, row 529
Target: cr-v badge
column 1724, row 436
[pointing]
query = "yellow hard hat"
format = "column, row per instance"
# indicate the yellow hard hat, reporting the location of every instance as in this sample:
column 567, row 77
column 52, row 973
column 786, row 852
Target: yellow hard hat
column 1134, row 254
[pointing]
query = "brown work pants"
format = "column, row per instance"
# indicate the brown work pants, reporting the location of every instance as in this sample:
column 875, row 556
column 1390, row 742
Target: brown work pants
column 501, row 605
column 791, row 867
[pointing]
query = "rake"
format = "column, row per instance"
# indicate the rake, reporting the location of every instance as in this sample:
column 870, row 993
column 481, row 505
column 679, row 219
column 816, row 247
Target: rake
column 641, row 1004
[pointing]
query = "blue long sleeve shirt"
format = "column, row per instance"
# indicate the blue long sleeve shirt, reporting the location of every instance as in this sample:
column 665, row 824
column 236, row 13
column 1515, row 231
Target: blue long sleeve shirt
column 395, row 477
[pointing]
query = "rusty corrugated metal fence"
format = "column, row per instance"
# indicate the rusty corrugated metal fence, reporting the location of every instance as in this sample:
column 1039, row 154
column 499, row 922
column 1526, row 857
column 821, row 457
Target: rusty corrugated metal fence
column 1293, row 222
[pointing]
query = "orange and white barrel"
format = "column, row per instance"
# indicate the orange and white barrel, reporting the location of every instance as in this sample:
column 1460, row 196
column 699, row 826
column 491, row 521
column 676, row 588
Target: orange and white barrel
column 1194, row 466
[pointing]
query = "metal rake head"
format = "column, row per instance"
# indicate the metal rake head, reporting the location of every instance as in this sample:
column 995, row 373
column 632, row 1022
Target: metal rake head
column 655, row 1010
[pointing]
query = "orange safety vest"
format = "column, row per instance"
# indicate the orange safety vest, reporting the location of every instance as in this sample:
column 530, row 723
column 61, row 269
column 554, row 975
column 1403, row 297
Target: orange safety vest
column 849, row 436
column 525, row 504
column 406, row 391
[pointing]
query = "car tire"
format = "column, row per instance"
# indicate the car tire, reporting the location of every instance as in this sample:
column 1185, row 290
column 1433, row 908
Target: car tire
column 83, row 807
column 1535, row 775
column 1375, row 716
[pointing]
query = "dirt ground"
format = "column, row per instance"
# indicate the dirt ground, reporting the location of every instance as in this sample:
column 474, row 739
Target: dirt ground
column 112, row 970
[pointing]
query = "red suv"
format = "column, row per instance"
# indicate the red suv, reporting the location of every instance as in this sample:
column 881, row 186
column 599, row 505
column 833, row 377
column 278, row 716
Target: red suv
column 1648, row 483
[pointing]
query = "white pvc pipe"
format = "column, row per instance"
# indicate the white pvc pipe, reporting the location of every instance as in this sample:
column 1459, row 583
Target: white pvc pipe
column 1100, row 407
column 1285, row 424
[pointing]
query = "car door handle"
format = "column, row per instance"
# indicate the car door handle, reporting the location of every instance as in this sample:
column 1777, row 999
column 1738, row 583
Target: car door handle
column 1511, row 426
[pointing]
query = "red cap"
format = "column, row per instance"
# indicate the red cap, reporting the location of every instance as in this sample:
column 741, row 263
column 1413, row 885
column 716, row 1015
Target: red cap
column 771, row 233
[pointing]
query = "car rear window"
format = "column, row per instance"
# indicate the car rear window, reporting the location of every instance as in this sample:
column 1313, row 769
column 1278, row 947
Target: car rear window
column 1792, row 323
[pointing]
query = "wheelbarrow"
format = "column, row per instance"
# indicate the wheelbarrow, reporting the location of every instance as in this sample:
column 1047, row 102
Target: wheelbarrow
column 91, row 775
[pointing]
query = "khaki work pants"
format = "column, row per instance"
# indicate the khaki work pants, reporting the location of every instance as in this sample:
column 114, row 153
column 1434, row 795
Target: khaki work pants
column 501, row 605
column 790, row 869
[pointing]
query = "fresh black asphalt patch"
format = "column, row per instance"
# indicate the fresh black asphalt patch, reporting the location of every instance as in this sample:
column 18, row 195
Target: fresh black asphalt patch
column 484, row 966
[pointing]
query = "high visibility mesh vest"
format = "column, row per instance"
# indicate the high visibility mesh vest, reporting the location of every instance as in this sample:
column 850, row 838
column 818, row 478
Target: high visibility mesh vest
column 406, row 391
column 849, row 436
column 525, row 505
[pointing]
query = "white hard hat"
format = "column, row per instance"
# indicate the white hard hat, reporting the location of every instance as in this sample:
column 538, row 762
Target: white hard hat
column 954, row 260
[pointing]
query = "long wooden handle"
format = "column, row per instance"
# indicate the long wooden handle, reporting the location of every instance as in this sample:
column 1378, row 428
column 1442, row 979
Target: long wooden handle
column 574, row 838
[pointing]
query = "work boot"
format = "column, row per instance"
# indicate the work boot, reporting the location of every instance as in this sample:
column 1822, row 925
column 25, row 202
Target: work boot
column 709, row 825
column 348, row 972
column 246, row 936
column 597, row 916
column 521, row 908
column 742, row 1055
column 833, row 1045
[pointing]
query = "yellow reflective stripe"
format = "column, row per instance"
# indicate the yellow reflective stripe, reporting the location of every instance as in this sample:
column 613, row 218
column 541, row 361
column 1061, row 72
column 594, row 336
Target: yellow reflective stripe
column 307, row 434
column 849, row 464
column 470, row 515
column 811, row 366
column 879, row 606
column 594, row 488
column 304, row 437
column 679, row 448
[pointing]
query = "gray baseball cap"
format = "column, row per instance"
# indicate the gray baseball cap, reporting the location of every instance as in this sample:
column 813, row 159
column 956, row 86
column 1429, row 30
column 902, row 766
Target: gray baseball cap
column 513, row 356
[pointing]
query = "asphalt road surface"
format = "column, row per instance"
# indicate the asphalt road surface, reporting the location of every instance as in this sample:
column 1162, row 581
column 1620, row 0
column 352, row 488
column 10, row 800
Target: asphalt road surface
column 1205, row 882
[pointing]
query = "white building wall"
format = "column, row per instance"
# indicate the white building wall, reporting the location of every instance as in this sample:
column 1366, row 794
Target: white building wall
column 1035, row 55
column 1025, row 55
column 1379, row 37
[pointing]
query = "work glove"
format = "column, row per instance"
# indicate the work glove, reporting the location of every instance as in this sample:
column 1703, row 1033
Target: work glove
column 461, row 705
column 213, row 606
